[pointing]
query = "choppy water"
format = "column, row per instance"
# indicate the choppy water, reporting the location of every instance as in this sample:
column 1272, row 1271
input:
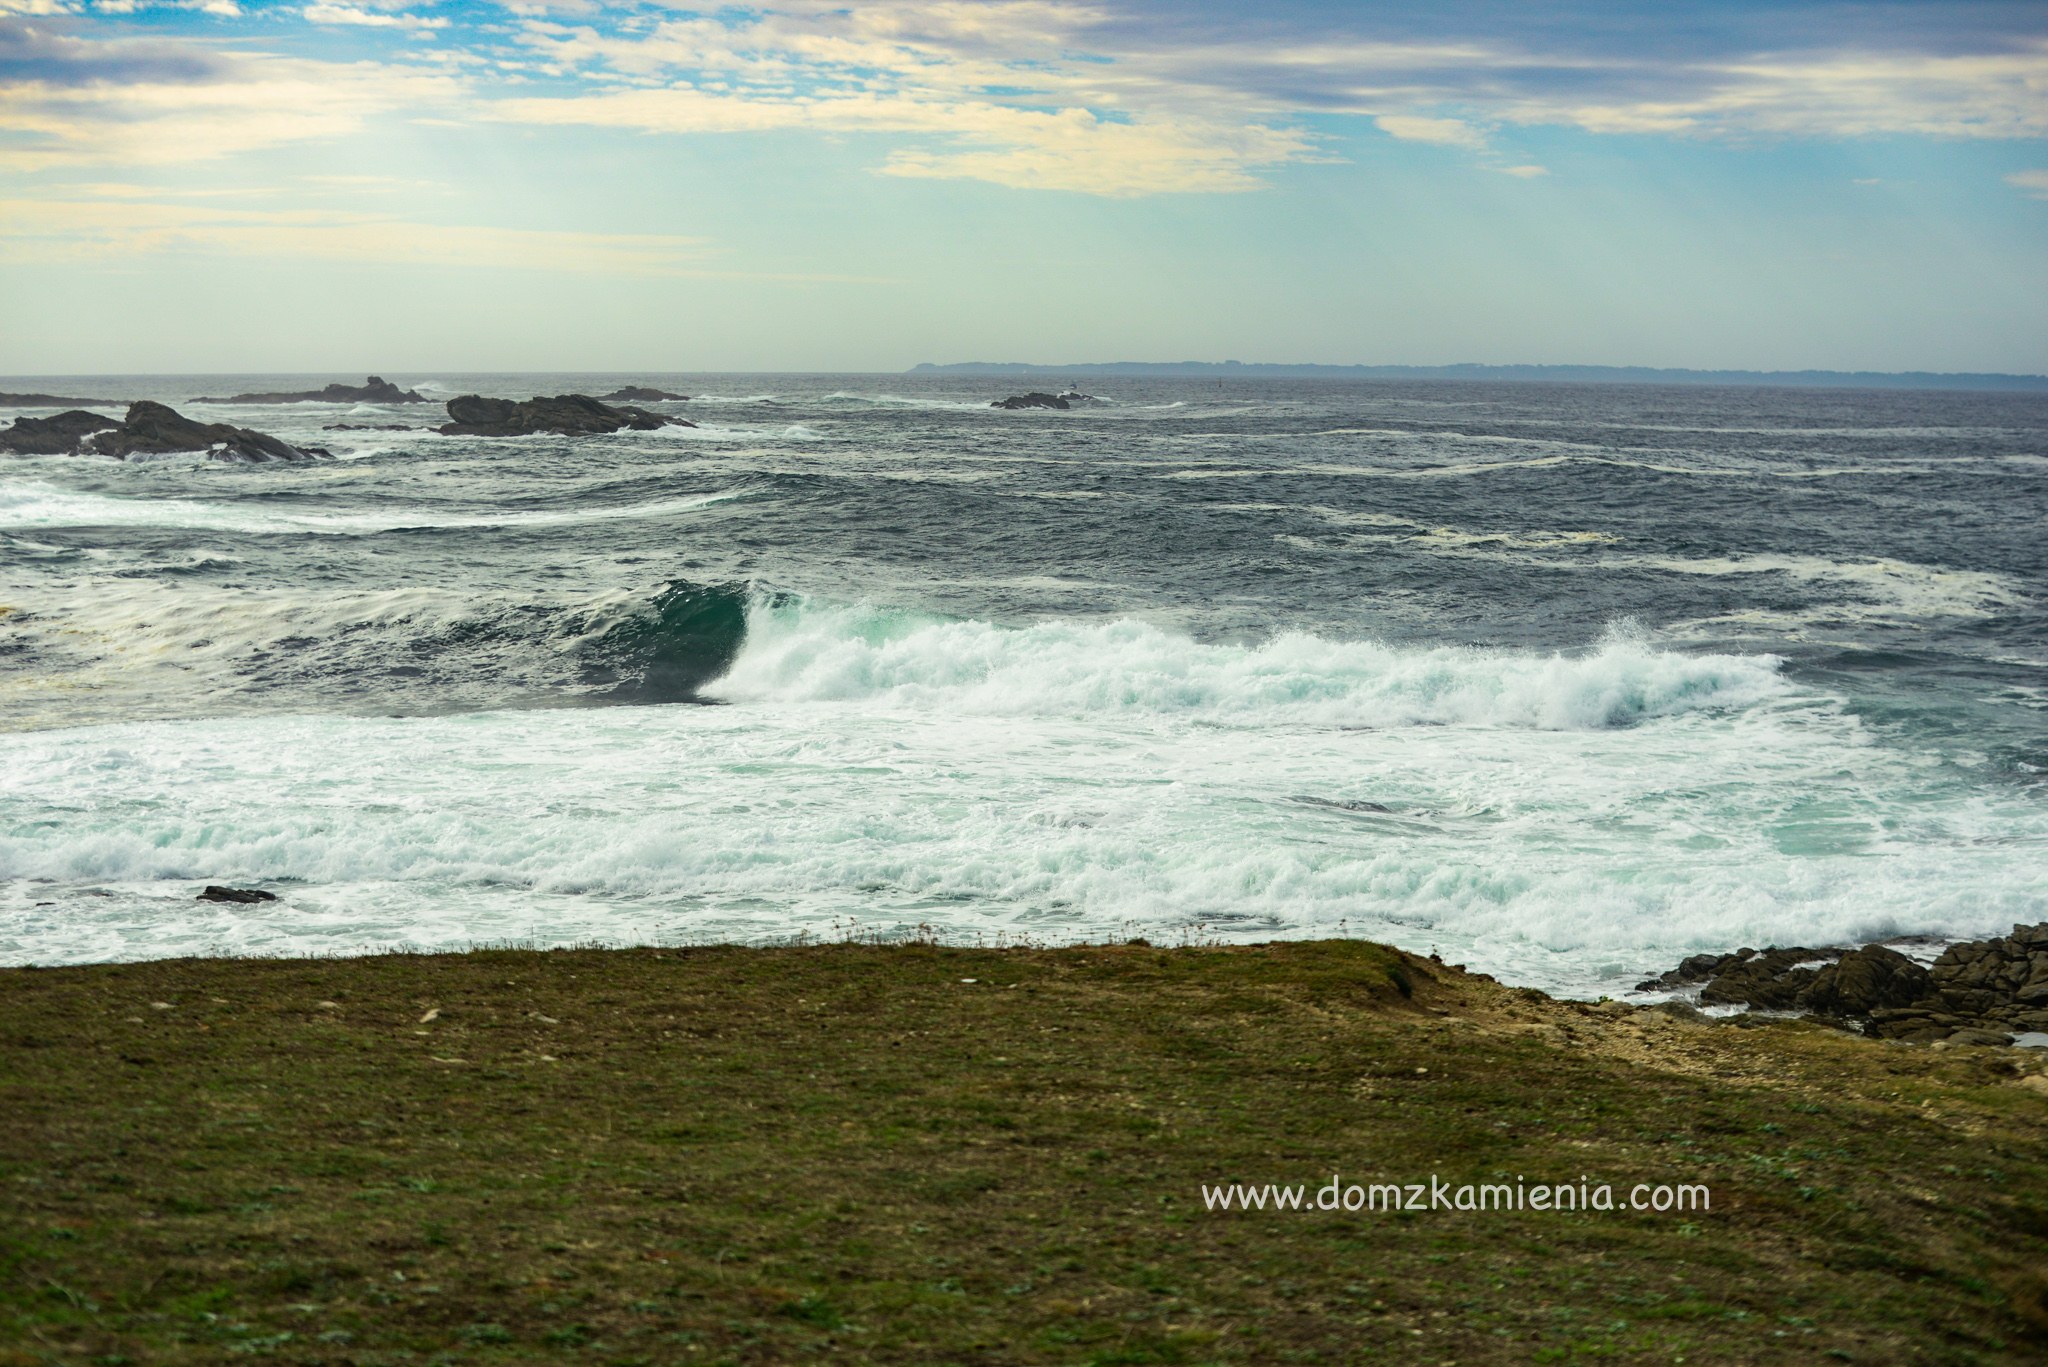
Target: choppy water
column 1563, row 682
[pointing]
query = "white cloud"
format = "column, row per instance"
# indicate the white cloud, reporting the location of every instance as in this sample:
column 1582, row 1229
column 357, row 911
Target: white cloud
column 368, row 18
column 1443, row 132
column 1522, row 172
column 2034, row 183
column 243, row 103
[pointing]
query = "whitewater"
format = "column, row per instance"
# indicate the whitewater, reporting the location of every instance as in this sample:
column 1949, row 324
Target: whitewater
column 1693, row 670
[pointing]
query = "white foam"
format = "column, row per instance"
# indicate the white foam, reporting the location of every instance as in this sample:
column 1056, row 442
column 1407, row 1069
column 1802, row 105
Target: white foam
column 1543, row 855
column 862, row 657
column 35, row 504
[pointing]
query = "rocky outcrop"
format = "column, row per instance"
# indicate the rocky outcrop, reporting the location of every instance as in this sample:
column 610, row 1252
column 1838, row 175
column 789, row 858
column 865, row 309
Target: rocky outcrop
column 48, row 401
column 1032, row 400
column 567, row 415
column 634, row 393
column 1980, row 992
column 62, row 434
column 371, row 427
column 216, row 893
column 155, row 429
column 376, row 389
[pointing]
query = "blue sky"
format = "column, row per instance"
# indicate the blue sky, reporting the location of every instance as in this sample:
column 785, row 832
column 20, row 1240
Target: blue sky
column 395, row 184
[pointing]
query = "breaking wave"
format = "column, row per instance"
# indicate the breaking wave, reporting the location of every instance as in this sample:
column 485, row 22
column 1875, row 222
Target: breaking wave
column 799, row 651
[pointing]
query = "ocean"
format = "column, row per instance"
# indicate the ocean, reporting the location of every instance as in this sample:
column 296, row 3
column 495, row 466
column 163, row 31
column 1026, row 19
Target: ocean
column 1561, row 682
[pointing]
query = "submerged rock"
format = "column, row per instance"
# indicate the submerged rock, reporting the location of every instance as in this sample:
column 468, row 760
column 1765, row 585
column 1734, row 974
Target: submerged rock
column 634, row 393
column 1032, row 400
column 59, row 435
column 1978, row 992
column 216, row 893
column 472, row 415
column 149, row 429
column 376, row 389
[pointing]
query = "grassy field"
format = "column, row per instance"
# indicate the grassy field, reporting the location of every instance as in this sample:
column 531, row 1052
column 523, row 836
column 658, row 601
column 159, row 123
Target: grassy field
column 924, row 1155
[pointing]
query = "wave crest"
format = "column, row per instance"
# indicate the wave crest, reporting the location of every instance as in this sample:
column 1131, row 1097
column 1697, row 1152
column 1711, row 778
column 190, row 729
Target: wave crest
column 803, row 652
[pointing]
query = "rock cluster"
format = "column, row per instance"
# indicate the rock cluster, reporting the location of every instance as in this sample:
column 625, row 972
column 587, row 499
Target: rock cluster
column 635, row 393
column 1032, row 400
column 376, row 389
column 566, row 415
column 1981, row 992
column 61, row 434
column 149, row 429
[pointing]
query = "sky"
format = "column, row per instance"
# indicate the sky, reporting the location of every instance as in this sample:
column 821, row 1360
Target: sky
column 407, row 186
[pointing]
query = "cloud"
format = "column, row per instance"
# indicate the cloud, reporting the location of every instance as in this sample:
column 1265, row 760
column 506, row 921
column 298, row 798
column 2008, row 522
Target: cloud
column 154, row 104
column 1521, row 172
column 2033, row 183
column 45, row 229
column 1443, row 132
column 368, row 18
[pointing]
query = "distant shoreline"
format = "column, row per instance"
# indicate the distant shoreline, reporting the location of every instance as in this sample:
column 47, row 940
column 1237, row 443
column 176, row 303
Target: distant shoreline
column 1526, row 374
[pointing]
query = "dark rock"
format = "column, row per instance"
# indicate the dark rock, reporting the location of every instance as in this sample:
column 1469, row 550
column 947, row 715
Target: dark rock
column 1771, row 981
column 215, row 893
column 472, row 415
column 47, row 401
column 634, row 393
column 1863, row 980
column 371, row 427
column 1990, row 1038
column 59, row 435
column 154, row 429
column 1032, row 400
column 376, row 389
column 1696, row 969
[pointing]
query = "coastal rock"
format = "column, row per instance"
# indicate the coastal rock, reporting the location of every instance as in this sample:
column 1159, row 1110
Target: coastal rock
column 1865, row 980
column 149, row 429
column 47, row 401
column 1773, row 980
column 216, row 893
column 1032, row 400
column 155, row 429
column 1981, row 992
column 376, row 389
column 472, row 415
column 371, row 427
column 59, row 435
column 634, row 393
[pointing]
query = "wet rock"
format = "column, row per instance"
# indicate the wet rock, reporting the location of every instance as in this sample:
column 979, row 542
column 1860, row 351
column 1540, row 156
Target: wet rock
column 59, row 435
column 376, row 389
column 1032, row 400
column 635, row 393
column 1865, row 980
column 1773, row 980
column 216, row 893
column 472, row 415
column 1978, row 992
column 155, row 429
column 371, row 427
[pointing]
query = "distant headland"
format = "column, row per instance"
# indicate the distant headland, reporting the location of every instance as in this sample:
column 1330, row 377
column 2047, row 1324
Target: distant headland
column 1536, row 374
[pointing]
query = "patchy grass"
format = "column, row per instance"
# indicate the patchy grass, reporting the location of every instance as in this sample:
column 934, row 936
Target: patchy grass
column 765, row 1156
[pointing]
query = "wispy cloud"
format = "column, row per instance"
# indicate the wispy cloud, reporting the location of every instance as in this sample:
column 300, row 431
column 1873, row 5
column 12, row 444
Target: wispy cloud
column 122, row 226
column 2034, row 183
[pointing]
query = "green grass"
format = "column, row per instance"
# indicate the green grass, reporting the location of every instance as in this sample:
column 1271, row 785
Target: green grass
column 769, row 1156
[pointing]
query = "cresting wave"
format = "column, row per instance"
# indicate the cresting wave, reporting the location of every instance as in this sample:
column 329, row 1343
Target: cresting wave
column 797, row 651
